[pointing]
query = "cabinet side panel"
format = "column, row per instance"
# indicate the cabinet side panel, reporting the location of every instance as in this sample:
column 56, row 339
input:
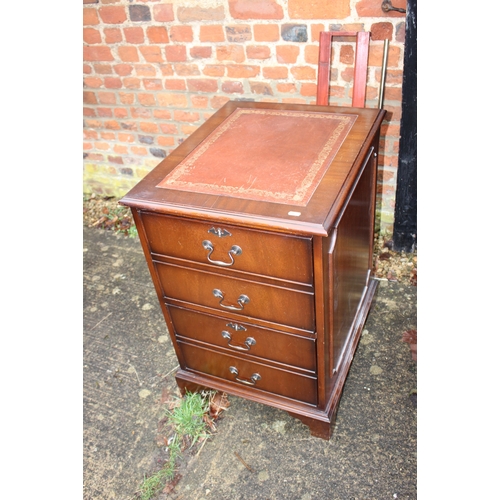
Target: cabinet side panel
column 351, row 263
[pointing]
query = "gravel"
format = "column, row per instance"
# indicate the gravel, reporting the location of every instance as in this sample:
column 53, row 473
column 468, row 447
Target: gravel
column 107, row 214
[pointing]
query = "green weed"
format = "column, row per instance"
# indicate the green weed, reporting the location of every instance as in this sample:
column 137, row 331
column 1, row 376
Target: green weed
column 189, row 425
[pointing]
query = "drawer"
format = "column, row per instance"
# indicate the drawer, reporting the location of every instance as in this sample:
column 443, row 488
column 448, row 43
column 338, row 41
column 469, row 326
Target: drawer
column 243, row 297
column 229, row 247
column 245, row 338
column 250, row 374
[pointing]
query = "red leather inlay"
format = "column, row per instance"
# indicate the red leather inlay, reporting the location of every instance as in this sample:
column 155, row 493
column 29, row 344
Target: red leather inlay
column 261, row 154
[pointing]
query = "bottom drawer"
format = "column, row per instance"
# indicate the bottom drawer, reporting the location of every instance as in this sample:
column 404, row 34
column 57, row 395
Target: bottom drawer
column 250, row 374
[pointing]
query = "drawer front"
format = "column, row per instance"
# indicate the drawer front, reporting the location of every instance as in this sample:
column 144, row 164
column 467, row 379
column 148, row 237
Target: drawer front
column 249, row 374
column 229, row 247
column 245, row 338
column 248, row 298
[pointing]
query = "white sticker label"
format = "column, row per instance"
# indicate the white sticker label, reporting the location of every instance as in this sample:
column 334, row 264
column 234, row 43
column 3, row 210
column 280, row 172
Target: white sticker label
column 295, row 214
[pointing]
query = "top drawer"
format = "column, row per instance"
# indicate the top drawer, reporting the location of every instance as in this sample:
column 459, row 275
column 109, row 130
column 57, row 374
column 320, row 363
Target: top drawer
column 222, row 246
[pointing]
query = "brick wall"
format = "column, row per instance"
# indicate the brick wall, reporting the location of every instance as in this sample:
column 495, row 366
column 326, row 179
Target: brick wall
column 155, row 70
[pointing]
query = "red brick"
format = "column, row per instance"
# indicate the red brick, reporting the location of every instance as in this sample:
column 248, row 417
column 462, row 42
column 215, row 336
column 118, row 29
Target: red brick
column 134, row 34
column 242, row 71
column 187, row 69
column 90, row 17
column 137, row 150
column 166, row 141
column 103, row 69
column 120, row 113
column 232, row 87
column 218, row 101
column 114, row 14
column 152, row 53
column 128, row 54
column 275, row 72
column 308, row 89
column 123, row 69
column 103, row 146
column 97, row 53
column 90, row 134
column 157, row 34
column 87, row 69
column 173, row 99
column 347, row 54
column 89, row 112
column 214, row 70
column 112, row 82
column 166, row 69
column 141, row 112
column 286, row 88
column 132, row 83
column 112, row 35
column 107, row 97
column 92, row 82
column 162, row 114
column 145, row 70
column 112, row 124
column 261, row 88
column 175, row 84
column 200, row 52
column 392, row 93
column 97, row 124
column 115, row 159
column 303, row 73
column 381, row 31
column 176, row 53
column 266, row 32
column 129, row 125
column 311, row 53
column 126, row 137
column 152, row 84
column 108, row 136
column 163, row 12
column 321, row 9
column 147, row 99
column 199, row 101
column 181, row 33
column 120, row 149
column 250, row 9
column 211, row 33
column 168, row 128
column 91, row 35
column 233, row 53
column 127, row 98
column 316, row 29
column 258, row 52
column 149, row 127
column 186, row 116
column 287, row 54
column 193, row 14
column 202, row 85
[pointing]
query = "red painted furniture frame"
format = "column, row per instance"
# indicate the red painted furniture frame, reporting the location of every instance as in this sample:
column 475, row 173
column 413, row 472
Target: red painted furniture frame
column 360, row 66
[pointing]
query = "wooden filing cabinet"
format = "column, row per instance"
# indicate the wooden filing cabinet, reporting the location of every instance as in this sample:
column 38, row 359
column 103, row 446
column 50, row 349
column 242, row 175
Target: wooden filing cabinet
column 258, row 233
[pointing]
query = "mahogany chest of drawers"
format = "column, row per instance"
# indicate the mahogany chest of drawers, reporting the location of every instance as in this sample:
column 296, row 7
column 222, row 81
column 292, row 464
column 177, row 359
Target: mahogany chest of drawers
column 258, row 233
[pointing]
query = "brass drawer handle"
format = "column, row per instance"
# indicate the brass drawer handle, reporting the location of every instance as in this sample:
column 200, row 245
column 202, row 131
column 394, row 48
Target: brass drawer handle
column 251, row 381
column 249, row 342
column 235, row 250
column 242, row 300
